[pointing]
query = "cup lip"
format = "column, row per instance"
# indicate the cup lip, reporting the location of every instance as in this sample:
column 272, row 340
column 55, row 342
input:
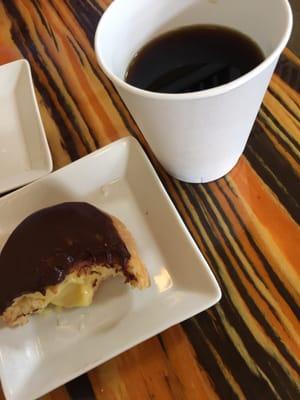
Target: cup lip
column 219, row 90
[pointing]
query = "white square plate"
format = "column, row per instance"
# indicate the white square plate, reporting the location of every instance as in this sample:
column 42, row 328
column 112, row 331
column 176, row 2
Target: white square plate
column 24, row 151
column 57, row 346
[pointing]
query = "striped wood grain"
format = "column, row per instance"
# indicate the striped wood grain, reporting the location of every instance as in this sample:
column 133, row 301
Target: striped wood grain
column 246, row 224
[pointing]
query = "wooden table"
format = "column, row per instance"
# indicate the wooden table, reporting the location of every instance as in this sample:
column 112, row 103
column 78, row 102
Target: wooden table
column 246, row 224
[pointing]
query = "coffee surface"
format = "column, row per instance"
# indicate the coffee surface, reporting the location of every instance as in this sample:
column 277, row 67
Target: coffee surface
column 193, row 58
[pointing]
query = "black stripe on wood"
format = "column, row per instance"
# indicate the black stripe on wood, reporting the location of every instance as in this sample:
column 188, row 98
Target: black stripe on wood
column 261, row 378
column 208, row 336
column 68, row 108
column 71, row 41
column 80, row 388
column 64, row 102
column 86, row 15
column 207, row 331
column 233, row 232
column 24, row 42
column 253, row 307
column 208, row 244
column 286, row 133
column 263, row 120
column 119, row 104
column 268, row 268
column 289, row 72
column 286, row 104
column 274, row 170
column 265, row 359
column 48, row 28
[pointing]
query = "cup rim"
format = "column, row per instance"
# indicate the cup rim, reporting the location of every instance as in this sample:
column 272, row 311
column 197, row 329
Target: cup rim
column 219, row 90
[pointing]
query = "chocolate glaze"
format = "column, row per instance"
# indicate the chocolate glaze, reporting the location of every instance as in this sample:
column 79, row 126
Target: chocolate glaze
column 52, row 242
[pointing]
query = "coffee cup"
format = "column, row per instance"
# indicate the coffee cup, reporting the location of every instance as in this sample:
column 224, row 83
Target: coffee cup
column 198, row 136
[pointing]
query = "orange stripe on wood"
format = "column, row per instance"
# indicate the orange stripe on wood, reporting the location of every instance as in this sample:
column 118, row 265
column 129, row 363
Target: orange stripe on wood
column 89, row 92
column 139, row 373
column 147, row 372
column 1, row 393
column 285, row 91
column 281, row 232
column 256, row 292
column 226, row 372
column 8, row 52
column 157, row 374
column 91, row 99
column 108, row 383
column 79, row 83
column 195, row 382
column 26, row 14
column 57, row 394
column 269, row 289
column 44, row 40
column 283, row 152
column 104, row 3
column 290, row 123
column 113, row 109
column 292, row 56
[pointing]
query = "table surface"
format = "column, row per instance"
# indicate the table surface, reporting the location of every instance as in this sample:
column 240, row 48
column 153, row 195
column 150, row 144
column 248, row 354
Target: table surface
column 246, row 224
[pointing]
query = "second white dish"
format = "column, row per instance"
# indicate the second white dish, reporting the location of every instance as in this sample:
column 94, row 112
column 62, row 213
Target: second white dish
column 24, row 151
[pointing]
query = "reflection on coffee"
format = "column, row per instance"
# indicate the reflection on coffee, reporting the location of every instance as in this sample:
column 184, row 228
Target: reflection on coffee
column 193, row 58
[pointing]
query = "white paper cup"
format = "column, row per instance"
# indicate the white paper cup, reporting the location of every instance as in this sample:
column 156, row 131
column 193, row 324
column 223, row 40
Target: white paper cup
column 199, row 136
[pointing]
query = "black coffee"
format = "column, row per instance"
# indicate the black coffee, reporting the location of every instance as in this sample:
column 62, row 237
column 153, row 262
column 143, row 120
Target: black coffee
column 193, row 58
